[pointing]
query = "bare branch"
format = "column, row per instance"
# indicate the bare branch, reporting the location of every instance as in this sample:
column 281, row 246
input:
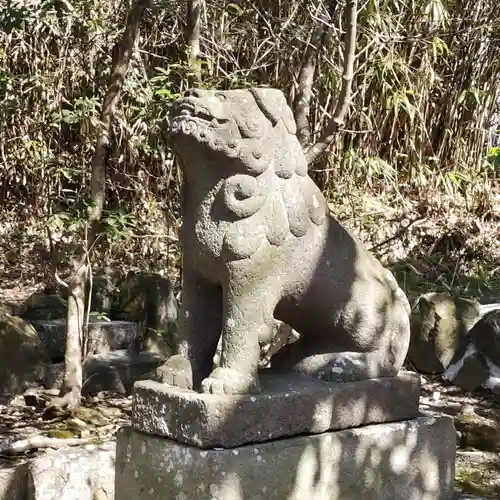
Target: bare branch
column 122, row 54
column 302, row 102
column 37, row 442
column 193, row 34
column 328, row 136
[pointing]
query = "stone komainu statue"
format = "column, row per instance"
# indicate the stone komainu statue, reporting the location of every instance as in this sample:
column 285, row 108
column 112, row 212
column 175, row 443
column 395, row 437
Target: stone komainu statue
column 258, row 244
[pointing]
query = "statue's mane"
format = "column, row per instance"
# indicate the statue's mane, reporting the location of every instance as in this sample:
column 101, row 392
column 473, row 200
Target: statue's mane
column 276, row 201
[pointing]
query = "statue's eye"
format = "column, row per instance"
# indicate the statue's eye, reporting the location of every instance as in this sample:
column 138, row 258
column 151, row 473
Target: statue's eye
column 220, row 96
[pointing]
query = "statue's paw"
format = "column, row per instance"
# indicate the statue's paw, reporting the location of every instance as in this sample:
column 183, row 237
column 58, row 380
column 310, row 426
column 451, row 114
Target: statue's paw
column 229, row 381
column 176, row 371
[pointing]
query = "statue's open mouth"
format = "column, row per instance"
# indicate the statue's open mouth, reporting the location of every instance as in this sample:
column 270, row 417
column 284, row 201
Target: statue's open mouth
column 191, row 108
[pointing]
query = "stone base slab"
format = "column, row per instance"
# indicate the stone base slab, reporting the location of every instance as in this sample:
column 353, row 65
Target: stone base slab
column 410, row 460
column 288, row 405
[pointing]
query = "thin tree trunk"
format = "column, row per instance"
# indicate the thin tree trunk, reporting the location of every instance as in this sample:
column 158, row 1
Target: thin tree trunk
column 193, row 34
column 302, row 101
column 329, row 134
column 122, row 53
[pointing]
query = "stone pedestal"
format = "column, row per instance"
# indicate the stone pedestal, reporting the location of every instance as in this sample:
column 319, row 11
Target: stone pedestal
column 300, row 439
column 410, row 460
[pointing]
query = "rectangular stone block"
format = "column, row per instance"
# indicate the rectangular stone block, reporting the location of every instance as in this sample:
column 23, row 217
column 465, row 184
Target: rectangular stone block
column 103, row 336
column 287, row 406
column 410, row 460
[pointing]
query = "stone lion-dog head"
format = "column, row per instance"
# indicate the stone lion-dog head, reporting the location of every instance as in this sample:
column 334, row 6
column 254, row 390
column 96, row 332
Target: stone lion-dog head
column 250, row 137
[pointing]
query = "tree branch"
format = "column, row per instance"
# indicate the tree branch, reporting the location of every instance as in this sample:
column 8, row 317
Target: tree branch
column 328, row 136
column 193, row 34
column 121, row 55
column 302, row 101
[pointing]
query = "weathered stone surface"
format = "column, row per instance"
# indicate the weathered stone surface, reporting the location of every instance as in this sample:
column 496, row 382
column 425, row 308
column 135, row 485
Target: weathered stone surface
column 485, row 335
column 294, row 404
column 472, row 365
column 104, row 336
column 473, row 373
column 73, row 473
column 410, row 460
column 65, row 474
column 13, row 479
column 439, row 325
column 23, row 361
column 115, row 371
column 149, row 300
column 260, row 244
column 104, row 289
column 43, row 306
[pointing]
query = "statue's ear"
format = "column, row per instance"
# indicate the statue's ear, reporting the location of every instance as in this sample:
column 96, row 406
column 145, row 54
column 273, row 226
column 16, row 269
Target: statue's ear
column 273, row 104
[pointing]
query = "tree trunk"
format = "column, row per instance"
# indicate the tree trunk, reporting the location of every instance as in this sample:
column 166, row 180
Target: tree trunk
column 122, row 53
column 193, row 34
column 329, row 134
column 302, row 101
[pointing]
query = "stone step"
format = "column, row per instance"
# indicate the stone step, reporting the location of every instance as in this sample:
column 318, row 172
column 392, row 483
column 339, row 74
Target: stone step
column 104, row 336
column 114, row 371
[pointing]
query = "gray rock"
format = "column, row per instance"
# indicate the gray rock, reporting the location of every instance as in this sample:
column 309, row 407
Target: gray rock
column 439, row 326
column 473, row 373
column 287, row 406
column 106, row 336
column 149, row 300
column 67, row 474
column 259, row 244
column 54, row 376
column 485, row 335
column 73, row 473
column 414, row 459
column 115, row 371
column 13, row 479
column 104, row 289
column 103, row 336
column 43, row 306
column 23, row 361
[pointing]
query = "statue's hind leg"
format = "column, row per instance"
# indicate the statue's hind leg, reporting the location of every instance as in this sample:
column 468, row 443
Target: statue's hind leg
column 307, row 358
column 325, row 360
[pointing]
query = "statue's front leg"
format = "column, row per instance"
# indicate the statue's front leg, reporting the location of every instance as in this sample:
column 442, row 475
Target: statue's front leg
column 247, row 319
column 200, row 325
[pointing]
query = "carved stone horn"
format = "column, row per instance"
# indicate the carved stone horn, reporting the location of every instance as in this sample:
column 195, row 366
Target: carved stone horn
column 273, row 104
